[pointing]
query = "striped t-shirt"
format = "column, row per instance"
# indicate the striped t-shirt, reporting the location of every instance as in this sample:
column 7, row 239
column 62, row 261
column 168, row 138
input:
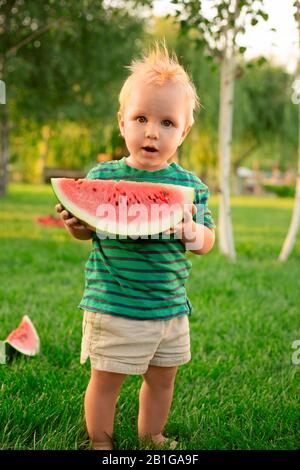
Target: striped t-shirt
column 143, row 279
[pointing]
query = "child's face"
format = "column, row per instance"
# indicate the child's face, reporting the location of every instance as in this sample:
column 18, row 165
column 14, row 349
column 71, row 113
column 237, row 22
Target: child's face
column 155, row 116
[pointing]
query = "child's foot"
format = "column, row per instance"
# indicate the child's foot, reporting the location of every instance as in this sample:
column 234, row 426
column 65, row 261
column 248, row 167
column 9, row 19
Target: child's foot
column 161, row 440
column 102, row 445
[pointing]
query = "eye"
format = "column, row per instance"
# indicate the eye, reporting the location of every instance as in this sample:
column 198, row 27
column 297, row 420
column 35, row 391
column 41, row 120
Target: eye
column 141, row 117
column 167, row 123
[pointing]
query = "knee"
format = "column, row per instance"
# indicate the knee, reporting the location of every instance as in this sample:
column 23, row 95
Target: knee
column 160, row 377
column 109, row 381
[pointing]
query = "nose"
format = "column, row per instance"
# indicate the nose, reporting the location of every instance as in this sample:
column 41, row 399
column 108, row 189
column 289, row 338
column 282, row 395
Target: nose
column 151, row 131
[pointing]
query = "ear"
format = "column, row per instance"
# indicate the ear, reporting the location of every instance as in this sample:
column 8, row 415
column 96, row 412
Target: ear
column 184, row 134
column 121, row 123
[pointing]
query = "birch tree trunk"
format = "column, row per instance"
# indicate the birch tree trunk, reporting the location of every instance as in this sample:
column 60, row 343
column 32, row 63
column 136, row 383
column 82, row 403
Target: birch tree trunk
column 226, row 243
column 4, row 149
column 295, row 222
column 218, row 33
column 4, row 138
column 294, row 225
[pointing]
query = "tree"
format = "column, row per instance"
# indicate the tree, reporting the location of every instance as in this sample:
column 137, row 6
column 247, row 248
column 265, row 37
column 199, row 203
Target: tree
column 62, row 59
column 264, row 116
column 295, row 221
column 216, row 34
column 20, row 24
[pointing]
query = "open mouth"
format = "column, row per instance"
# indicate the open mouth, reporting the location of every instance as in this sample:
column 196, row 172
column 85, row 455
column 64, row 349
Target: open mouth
column 149, row 149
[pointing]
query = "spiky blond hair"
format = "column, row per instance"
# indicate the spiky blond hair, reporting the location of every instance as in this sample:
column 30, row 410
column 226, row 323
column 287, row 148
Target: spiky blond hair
column 158, row 68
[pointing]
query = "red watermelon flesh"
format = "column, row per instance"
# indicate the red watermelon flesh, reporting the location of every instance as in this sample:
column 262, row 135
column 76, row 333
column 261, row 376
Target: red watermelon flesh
column 25, row 338
column 50, row 220
column 124, row 207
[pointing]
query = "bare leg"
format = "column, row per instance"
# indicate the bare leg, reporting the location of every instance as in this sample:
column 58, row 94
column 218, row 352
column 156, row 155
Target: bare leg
column 100, row 404
column 156, row 395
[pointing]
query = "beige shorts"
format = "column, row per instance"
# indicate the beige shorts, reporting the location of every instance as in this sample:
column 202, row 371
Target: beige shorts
column 128, row 346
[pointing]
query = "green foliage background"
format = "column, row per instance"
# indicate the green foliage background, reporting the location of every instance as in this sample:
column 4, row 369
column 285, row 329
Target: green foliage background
column 70, row 77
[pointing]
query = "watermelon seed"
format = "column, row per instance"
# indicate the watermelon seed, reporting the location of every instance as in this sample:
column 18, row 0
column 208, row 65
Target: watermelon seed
column 94, row 189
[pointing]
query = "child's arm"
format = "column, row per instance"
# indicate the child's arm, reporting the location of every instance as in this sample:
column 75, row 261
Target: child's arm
column 74, row 227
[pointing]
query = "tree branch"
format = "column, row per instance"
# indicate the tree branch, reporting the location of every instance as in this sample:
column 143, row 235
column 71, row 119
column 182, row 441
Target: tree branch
column 31, row 37
column 243, row 156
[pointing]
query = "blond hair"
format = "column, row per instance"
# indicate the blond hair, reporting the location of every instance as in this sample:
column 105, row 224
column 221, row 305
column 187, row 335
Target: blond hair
column 158, row 68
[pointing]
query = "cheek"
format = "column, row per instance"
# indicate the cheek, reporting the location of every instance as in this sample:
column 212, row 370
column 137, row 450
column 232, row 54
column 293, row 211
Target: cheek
column 173, row 138
column 131, row 130
column 131, row 136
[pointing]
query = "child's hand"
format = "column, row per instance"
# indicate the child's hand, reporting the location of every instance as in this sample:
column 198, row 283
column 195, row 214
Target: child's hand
column 69, row 220
column 185, row 226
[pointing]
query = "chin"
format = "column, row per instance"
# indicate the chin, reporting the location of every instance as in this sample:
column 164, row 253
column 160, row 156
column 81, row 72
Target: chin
column 148, row 161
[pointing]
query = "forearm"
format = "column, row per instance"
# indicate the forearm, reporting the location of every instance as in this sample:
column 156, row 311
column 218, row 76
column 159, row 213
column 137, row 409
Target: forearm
column 198, row 239
column 80, row 234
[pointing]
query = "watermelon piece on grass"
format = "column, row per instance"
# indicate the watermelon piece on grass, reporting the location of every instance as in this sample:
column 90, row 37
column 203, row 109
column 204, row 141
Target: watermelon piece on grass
column 121, row 207
column 50, row 220
column 25, row 338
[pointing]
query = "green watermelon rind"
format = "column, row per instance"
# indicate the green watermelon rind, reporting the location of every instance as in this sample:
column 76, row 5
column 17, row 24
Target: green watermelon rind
column 93, row 222
column 27, row 351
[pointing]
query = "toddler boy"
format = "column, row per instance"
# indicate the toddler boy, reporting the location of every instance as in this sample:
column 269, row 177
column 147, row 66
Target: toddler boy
column 135, row 304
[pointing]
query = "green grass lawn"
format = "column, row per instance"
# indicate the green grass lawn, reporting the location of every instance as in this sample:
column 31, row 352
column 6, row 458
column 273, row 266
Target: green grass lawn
column 239, row 391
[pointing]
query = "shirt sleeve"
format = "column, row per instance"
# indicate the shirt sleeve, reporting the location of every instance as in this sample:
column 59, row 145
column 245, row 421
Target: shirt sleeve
column 203, row 215
column 92, row 174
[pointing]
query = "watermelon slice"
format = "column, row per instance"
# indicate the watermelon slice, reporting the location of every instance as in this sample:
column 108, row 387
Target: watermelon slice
column 124, row 207
column 25, row 338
